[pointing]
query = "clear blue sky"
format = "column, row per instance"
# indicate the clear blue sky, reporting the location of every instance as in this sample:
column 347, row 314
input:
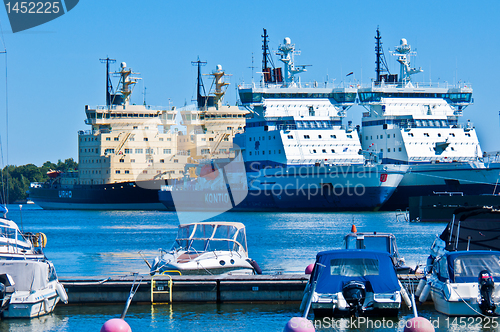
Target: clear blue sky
column 54, row 69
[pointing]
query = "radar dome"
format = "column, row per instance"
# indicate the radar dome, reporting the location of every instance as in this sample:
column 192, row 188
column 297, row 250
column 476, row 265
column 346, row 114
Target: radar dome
column 218, row 67
column 287, row 41
column 403, row 41
column 123, row 64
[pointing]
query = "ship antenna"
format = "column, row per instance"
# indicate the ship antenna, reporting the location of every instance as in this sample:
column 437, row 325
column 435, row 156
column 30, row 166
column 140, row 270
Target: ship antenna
column 5, row 185
column 201, row 98
column 269, row 72
column 109, row 84
column 380, row 58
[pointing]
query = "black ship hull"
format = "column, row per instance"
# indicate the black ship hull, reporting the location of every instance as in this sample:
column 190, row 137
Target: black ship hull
column 140, row 195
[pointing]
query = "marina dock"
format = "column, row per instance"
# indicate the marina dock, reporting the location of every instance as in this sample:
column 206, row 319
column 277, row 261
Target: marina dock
column 277, row 288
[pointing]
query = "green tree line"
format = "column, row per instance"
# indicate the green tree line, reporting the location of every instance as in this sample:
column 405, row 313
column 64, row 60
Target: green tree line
column 19, row 178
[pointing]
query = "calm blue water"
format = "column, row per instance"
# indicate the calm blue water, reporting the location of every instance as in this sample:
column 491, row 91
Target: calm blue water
column 94, row 243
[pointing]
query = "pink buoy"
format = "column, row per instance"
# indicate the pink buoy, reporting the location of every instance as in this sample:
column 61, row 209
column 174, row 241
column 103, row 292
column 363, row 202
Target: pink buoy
column 299, row 324
column 309, row 268
column 419, row 324
column 116, row 325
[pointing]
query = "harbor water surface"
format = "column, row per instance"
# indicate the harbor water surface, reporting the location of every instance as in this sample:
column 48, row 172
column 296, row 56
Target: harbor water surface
column 104, row 243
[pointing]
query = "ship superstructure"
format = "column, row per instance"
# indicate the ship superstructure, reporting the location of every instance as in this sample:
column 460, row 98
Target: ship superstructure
column 296, row 123
column 129, row 152
column 128, row 142
column 211, row 126
column 417, row 124
column 411, row 122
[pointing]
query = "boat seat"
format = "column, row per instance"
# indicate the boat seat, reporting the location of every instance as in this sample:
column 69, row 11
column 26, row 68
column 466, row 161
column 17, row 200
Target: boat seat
column 184, row 258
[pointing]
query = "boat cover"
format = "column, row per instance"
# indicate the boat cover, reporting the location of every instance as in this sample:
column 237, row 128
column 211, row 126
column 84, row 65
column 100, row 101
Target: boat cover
column 28, row 275
column 465, row 266
column 477, row 229
column 373, row 268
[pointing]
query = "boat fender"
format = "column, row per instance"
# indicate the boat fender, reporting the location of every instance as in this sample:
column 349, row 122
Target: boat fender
column 404, row 295
column 425, row 293
column 46, row 305
column 62, row 293
column 420, row 287
column 430, row 262
column 341, row 303
column 255, row 266
column 305, row 299
column 40, row 240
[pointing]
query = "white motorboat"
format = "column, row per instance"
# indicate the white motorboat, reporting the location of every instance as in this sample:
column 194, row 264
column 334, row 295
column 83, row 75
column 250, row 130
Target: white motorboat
column 28, row 281
column 353, row 282
column 207, row 248
column 466, row 283
column 463, row 270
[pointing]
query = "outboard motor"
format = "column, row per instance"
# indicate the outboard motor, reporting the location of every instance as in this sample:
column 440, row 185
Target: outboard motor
column 486, row 287
column 354, row 293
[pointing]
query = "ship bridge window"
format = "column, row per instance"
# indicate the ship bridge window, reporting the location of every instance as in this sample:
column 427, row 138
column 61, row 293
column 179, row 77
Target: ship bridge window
column 467, row 134
column 333, row 150
column 319, row 136
column 117, row 171
column 116, row 139
column 290, row 136
column 349, row 136
column 439, row 135
column 426, row 134
column 324, row 150
column 335, row 136
column 306, row 136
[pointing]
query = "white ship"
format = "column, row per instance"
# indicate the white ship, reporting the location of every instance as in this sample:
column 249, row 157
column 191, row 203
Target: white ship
column 297, row 152
column 417, row 124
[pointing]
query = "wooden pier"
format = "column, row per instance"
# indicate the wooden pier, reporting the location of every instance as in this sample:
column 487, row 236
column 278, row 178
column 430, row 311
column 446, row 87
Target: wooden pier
column 279, row 288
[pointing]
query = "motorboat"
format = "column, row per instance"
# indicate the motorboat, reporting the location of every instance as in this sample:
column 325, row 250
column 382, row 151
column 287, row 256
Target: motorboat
column 463, row 269
column 377, row 241
column 353, row 282
column 207, row 248
column 466, row 283
column 28, row 281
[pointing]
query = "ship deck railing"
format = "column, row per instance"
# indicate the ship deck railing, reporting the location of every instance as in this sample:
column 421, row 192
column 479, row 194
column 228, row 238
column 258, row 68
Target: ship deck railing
column 120, row 107
column 299, row 85
column 418, row 85
column 443, row 159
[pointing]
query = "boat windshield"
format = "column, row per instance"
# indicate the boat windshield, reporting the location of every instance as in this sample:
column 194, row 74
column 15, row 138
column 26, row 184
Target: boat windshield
column 210, row 237
column 369, row 242
column 354, row 267
column 8, row 233
column 466, row 268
